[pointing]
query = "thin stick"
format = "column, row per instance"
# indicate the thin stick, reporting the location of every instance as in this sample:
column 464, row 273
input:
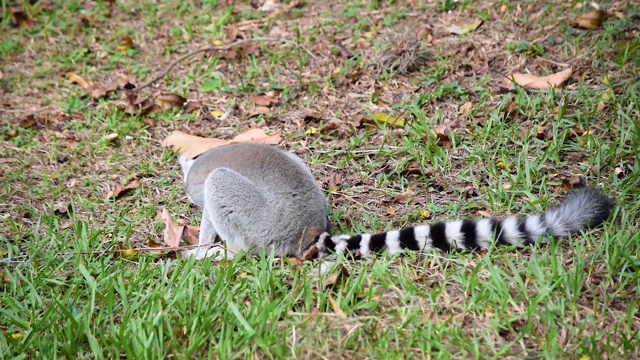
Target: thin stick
column 166, row 70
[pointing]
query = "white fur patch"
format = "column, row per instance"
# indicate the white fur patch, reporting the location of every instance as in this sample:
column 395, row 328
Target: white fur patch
column 421, row 233
column 534, row 226
column 393, row 242
column 453, row 233
column 364, row 244
column 341, row 246
column 510, row 231
column 484, row 233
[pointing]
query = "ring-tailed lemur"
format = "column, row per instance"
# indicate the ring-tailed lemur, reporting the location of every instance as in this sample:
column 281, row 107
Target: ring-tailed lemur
column 259, row 197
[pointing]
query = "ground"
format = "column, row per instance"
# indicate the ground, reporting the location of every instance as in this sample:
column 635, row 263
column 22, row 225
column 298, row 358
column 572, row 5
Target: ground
column 436, row 136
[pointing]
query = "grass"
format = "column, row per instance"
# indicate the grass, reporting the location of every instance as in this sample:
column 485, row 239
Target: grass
column 65, row 293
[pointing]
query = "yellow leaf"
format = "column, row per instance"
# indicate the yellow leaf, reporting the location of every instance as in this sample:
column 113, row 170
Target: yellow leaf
column 463, row 29
column 607, row 94
column 390, row 120
column 216, row 113
column 585, row 357
column 424, row 214
column 17, row 336
column 311, row 131
column 126, row 43
column 130, row 253
column 504, row 166
column 217, row 43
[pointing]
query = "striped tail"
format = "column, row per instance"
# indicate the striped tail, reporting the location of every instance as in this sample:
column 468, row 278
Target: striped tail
column 583, row 208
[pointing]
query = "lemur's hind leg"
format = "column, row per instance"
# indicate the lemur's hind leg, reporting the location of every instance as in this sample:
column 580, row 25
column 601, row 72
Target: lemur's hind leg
column 234, row 211
column 207, row 236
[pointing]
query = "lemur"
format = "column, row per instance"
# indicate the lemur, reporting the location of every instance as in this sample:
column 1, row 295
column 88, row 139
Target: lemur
column 256, row 196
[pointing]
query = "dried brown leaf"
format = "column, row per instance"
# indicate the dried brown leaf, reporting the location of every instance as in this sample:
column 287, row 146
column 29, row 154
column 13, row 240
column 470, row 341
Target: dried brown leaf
column 335, row 179
column 73, row 78
column 125, row 43
column 265, row 100
column 232, row 32
column 172, row 231
column 192, row 106
column 127, row 80
column 260, row 110
column 336, row 280
column 118, row 190
column 192, row 146
column 20, row 18
column 336, row 309
column 190, row 234
column 592, row 20
column 170, row 101
column 533, row 82
column 311, row 253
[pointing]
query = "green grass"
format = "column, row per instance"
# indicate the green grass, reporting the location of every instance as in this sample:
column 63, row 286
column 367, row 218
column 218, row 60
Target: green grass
column 64, row 292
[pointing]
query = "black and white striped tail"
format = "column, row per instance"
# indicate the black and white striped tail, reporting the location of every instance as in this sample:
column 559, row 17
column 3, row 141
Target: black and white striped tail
column 583, row 208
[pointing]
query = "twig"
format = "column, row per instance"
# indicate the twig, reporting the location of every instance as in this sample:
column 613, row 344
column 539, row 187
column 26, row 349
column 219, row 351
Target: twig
column 14, row 262
column 166, row 70
column 553, row 62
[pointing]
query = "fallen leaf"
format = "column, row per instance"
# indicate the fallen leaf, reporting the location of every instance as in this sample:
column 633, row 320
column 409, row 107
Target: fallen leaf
column 310, row 253
column 533, row 82
column 484, row 214
column 336, row 308
column 443, row 130
column 119, row 190
column 336, row 280
column 192, row 146
column 127, row 80
column 465, row 108
column 64, row 274
column 268, row 6
column 73, row 78
column 190, row 234
column 544, row 132
column 20, row 18
column 592, row 20
column 573, row 182
column 391, row 211
column 192, row 106
column 155, row 247
column 265, row 100
column 130, row 254
column 310, row 131
column 380, row 118
column 111, row 137
column 126, row 43
column 146, row 106
column 260, row 110
column 232, row 32
column 172, row 232
column 170, row 101
column 335, row 179
column 463, row 29
column 216, row 113
column 295, row 260
column 424, row 214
